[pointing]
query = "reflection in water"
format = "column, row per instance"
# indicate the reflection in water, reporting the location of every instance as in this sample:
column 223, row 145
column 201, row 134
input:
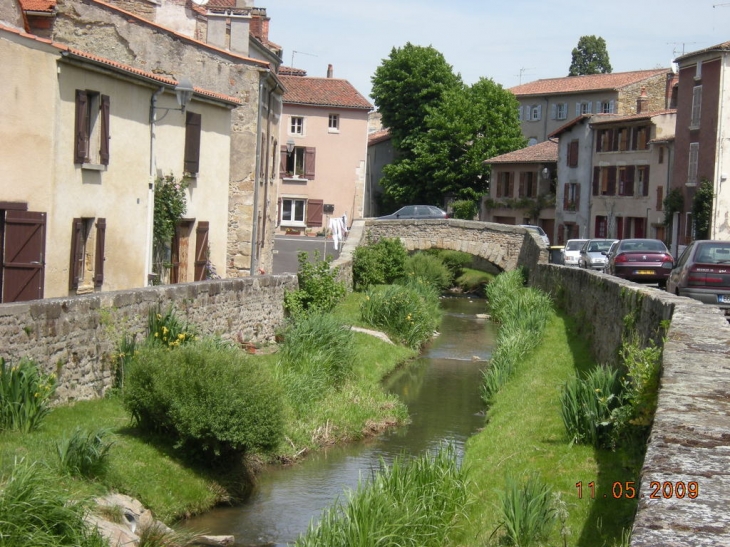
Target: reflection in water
column 441, row 389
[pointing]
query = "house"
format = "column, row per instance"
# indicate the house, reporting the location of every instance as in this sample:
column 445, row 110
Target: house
column 79, row 154
column 217, row 49
column 546, row 105
column 522, row 187
column 703, row 129
column 323, row 152
column 380, row 154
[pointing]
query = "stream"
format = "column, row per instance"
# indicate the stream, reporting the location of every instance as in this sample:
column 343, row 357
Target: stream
column 441, row 389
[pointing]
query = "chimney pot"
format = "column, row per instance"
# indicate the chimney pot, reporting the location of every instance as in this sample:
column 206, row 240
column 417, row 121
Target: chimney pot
column 330, row 72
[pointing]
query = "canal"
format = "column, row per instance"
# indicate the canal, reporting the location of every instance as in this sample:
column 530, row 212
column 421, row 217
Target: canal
column 441, row 389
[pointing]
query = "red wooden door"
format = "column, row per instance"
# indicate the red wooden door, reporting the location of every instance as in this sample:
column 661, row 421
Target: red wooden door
column 24, row 244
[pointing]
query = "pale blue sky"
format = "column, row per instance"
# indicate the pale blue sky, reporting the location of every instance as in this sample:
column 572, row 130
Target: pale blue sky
column 496, row 39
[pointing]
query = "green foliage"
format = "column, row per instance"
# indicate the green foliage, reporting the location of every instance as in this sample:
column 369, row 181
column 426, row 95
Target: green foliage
column 378, row 263
column 702, row 209
column 84, row 453
column 318, row 292
column 455, row 261
column 416, row 503
column 430, row 269
column 167, row 329
column 153, row 534
column 126, row 348
column 170, row 205
column 528, row 514
column 408, row 313
column 590, row 57
column 673, row 203
column 316, row 357
column 212, row 401
column 465, row 209
column 25, row 395
column 35, row 510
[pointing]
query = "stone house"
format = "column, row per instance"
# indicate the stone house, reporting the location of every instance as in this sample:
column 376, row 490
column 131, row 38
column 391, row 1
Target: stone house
column 323, row 152
column 78, row 155
column 546, row 105
column 703, row 129
column 522, row 187
column 219, row 51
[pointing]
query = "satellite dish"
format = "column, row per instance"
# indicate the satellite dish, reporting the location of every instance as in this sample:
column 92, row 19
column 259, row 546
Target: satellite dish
column 200, row 2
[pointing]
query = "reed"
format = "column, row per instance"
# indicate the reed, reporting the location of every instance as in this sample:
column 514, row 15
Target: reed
column 527, row 511
column 84, row 453
column 25, row 395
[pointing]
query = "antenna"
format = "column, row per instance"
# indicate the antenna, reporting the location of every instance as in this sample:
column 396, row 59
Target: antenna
column 721, row 5
column 674, row 50
column 523, row 69
column 293, row 52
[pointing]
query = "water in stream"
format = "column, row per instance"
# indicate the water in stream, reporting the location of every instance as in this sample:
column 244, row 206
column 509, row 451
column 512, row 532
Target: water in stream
column 441, row 390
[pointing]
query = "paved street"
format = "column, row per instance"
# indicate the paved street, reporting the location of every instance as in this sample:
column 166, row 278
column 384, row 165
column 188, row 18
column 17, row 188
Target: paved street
column 287, row 247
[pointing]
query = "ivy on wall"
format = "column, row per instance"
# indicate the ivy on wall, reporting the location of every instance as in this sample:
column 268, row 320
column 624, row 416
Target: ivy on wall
column 702, row 209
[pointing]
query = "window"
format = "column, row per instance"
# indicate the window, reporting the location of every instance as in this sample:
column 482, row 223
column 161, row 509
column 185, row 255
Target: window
column 694, row 153
column 297, row 125
column 536, row 112
column 91, row 145
column 696, row 107
column 299, row 163
column 604, row 181
column 573, row 153
column 504, row 184
column 601, row 227
column 583, row 107
column 87, row 255
column 292, row 211
column 604, row 107
column 571, row 196
column 532, row 141
column 698, row 70
column 334, row 122
column 642, row 180
column 626, row 181
column 528, row 185
column 640, row 138
column 623, row 139
column 559, row 111
column 192, row 143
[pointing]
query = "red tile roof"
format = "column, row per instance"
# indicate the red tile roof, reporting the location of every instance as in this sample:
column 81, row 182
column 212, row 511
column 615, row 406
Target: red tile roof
column 37, row 5
column 592, row 82
column 71, row 52
column 725, row 46
column 378, row 136
column 291, row 71
column 323, row 92
column 542, row 152
column 568, row 125
column 633, row 117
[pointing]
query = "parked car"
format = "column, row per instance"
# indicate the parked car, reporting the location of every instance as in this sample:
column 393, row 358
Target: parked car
column 641, row 260
column 592, row 255
column 416, row 211
column 703, row 273
column 539, row 232
column 571, row 252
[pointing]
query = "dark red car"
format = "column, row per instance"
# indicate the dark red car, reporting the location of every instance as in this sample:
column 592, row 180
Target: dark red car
column 641, row 260
column 703, row 273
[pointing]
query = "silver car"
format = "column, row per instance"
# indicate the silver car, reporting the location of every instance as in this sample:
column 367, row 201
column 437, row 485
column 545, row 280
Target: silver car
column 571, row 252
column 593, row 253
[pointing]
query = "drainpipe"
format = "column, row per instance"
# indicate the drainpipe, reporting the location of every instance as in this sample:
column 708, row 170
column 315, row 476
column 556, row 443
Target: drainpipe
column 257, row 179
column 151, row 191
column 719, row 163
column 266, row 157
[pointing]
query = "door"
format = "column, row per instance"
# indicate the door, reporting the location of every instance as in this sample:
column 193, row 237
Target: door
column 24, row 243
column 201, row 251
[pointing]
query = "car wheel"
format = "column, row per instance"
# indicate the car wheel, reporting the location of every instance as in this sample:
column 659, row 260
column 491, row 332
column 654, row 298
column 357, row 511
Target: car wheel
column 662, row 285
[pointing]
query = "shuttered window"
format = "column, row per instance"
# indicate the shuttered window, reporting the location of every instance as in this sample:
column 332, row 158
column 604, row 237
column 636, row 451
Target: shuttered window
column 92, row 128
column 573, row 153
column 201, row 251
column 193, row 125
column 99, row 252
column 315, row 211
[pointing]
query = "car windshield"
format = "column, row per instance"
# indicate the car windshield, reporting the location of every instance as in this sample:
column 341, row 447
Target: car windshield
column 639, row 246
column 573, row 245
column 599, row 246
column 715, row 253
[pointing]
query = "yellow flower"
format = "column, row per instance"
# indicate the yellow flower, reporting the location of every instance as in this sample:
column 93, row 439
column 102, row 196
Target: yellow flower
column 181, row 336
column 165, row 330
column 159, row 316
column 157, row 334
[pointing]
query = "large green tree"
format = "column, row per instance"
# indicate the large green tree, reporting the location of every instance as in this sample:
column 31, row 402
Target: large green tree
column 590, row 57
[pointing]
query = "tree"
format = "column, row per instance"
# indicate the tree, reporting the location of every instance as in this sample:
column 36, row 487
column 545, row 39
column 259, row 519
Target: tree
column 590, row 57
column 702, row 209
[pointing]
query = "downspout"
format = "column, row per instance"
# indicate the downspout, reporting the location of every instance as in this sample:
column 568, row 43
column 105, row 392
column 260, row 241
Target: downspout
column 256, row 180
column 151, row 191
column 267, row 156
column 718, row 159
column 590, row 185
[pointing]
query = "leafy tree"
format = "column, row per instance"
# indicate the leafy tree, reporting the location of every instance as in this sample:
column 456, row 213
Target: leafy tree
column 590, row 57
column 702, row 209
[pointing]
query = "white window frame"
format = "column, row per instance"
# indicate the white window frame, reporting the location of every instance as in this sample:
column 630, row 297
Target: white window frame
column 333, row 124
column 536, row 112
column 696, row 107
column 561, row 111
column 291, row 212
column 693, row 163
column 296, row 125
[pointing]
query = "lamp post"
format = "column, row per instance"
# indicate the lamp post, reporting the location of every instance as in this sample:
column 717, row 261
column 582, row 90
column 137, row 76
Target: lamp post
column 290, row 146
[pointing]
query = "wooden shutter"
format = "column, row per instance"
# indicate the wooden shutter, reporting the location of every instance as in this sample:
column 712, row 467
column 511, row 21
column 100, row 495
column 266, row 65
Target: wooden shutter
column 523, row 177
column 659, row 197
column 630, row 177
column 315, row 210
column 611, row 181
column 77, row 254
column 81, row 131
column 553, row 111
column 645, row 189
column 283, row 156
column 309, row 154
column 500, row 183
column 576, row 198
column 99, row 252
column 23, row 256
column 566, row 196
column 201, row 250
column 510, row 184
column 596, row 181
column 193, row 123
column 539, row 112
column 105, row 136
column 573, row 153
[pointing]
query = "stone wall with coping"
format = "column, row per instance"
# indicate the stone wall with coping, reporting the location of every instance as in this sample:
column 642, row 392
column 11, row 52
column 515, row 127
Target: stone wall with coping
column 77, row 337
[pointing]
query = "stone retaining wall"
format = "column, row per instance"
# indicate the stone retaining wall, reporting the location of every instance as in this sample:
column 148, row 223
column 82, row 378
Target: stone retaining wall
column 76, row 337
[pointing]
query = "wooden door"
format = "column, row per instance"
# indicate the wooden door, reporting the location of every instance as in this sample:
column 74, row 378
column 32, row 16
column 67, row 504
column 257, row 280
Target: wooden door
column 201, row 251
column 24, row 243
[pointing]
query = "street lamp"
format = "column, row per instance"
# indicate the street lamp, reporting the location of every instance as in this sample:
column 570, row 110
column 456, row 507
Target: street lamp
column 184, row 92
column 290, row 146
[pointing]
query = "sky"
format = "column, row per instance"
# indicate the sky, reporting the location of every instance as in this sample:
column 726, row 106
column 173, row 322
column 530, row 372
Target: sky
column 509, row 41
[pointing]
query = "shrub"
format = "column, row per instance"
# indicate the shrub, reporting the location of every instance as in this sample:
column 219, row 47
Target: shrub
column 456, row 261
column 378, row 263
column 465, row 209
column 166, row 329
column 212, row 401
column 25, row 395
column 36, row 510
column 84, row 453
column 527, row 512
column 318, row 292
column 428, row 268
column 404, row 312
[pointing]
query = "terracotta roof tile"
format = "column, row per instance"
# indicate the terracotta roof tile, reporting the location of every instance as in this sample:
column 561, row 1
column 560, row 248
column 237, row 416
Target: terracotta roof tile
column 725, row 46
column 542, row 152
column 593, row 82
column 323, row 92
column 378, row 136
column 38, row 5
column 291, row 71
column 633, row 117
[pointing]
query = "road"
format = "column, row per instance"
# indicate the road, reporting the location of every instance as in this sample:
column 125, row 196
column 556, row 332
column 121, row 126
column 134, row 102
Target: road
column 286, row 249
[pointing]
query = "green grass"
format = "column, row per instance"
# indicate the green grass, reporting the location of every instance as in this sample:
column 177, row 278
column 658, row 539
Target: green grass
column 473, row 281
column 524, row 434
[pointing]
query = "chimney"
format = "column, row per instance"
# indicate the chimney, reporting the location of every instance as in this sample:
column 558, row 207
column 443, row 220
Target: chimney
column 329, row 71
column 642, row 103
column 260, row 25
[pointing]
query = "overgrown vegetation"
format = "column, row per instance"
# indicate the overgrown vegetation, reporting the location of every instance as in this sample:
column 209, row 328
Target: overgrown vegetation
column 528, row 514
column 428, row 269
column 318, row 292
column 165, row 329
column 702, row 209
column 378, row 262
column 25, row 394
column 84, row 453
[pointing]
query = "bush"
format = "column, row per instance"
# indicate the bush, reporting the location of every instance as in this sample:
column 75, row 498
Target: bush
column 25, row 395
column 318, row 292
column 429, row 269
column 378, row 263
column 527, row 512
column 465, row 209
column 84, row 453
column 212, row 401
column 404, row 312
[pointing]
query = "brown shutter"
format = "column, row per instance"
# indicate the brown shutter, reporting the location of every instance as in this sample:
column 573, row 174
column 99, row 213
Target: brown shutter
column 201, row 250
column 104, row 143
column 645, row 189
column 309, row 154
column 596, row 180
column 597, row 232
column 659, row 197
column 611, row 181
column 566, row 196
column 99, row 252
column 500, row 181
column 193, row 125
column 282, row 162
column 81, row 132
column 511, row 184
column 576, row 197
column 315, row 210
column 600, row 136
column 521, row 190
column 77, row 253
column 630, row 178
